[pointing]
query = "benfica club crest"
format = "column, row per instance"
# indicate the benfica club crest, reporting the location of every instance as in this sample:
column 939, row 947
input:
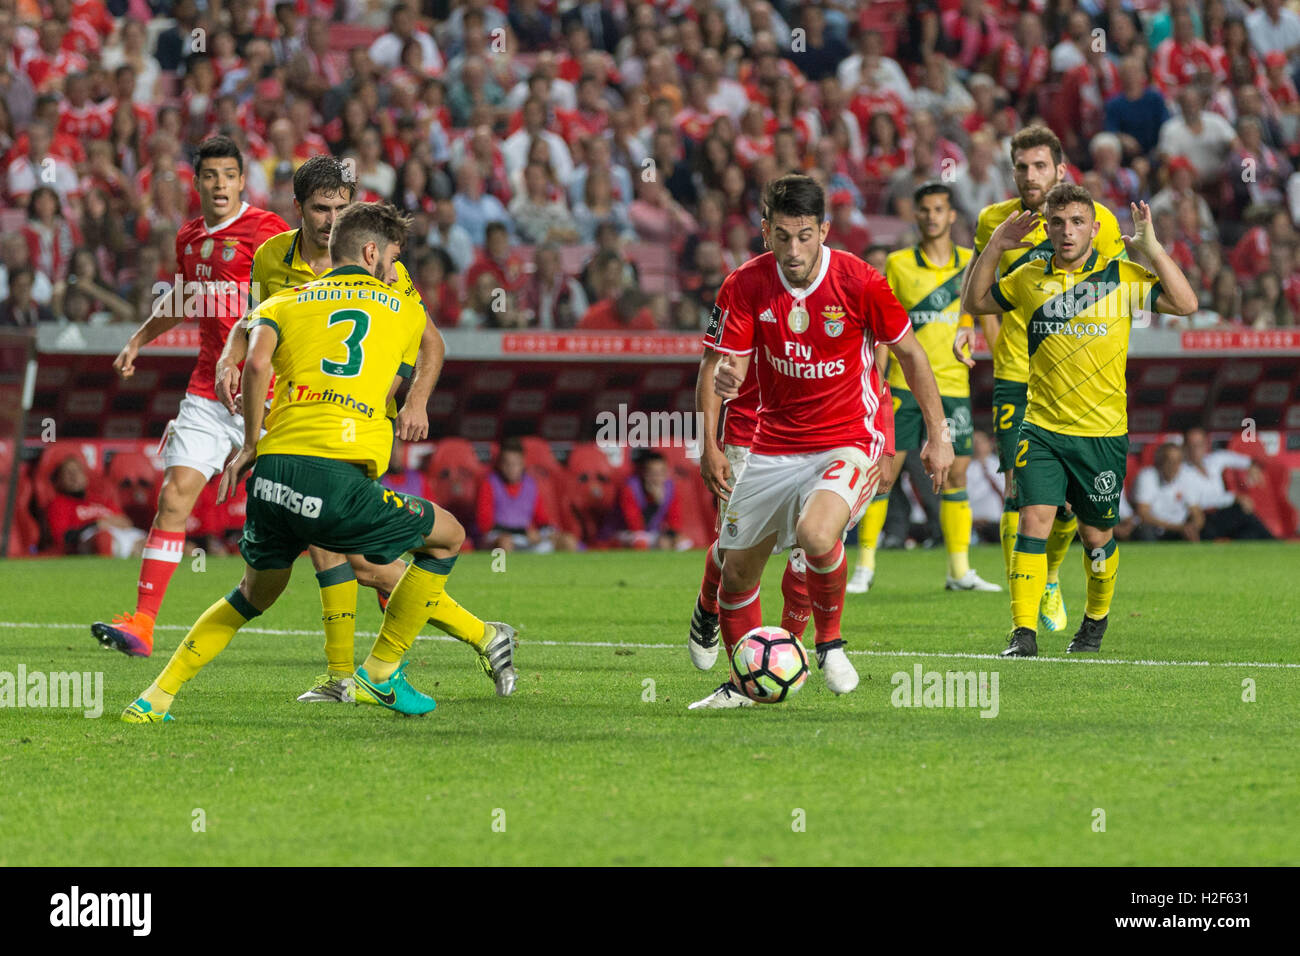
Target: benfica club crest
column 833, row 321
column 228, row 253
column 205, row 250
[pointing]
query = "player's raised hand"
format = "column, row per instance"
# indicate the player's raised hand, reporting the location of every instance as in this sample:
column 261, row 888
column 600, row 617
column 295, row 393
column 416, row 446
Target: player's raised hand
column 963, row 344
column 412, row 423
column 227, row 385
column 235, row 472
column 124, row 364
column 716, row 471
column 1143, row 239
column 725, row 380
column 937, row 458
column 1011, row 233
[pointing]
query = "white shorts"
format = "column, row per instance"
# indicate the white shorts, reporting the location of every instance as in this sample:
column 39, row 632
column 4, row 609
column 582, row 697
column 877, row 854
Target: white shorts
column 202, row 436
column 769, row 497
column 737, row 455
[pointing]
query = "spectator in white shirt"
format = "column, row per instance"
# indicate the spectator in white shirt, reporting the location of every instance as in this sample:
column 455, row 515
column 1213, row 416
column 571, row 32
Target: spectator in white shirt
column 984, row 487
column 871, row 63
column 1226, row 515
column 450, row 236
column 1165, row 498
column 1068, row 54
column 515, row 149
column 1273, row 27
column 386, row 51
column 1204, row 138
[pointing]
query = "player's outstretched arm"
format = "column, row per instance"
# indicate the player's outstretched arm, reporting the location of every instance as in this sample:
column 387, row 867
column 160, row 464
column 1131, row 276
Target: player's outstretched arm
column 1176, row 294
column 232, row 356
column 159, row 321
column 937, row 454
column 714, row 467
column 977, row 298
column 257, row 379
column 413, row 419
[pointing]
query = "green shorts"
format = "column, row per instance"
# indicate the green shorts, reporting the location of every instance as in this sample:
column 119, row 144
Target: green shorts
column 1052, row 469
column 295, row 500
column 909, row 423
column 1008, row 412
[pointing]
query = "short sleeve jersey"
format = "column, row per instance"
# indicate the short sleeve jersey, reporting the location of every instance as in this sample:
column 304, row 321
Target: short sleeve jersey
column 341, row 341
column 931, row 294
column 1077, row 340
column 819, row 387
column 1010, row 362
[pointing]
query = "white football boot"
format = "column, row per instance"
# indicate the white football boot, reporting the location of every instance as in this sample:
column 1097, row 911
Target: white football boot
column 860, row 583
column 970, row 581
column 839, row 673
column 727, row 695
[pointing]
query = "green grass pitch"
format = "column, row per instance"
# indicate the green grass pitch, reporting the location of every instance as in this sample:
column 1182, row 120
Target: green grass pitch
column 595, row 759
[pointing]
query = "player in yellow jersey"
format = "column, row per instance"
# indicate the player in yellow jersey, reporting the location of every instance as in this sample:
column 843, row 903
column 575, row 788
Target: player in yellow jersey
column 322, row 189
column 336, row 347
column 1038, row 165
column 927, row 280
column 1073, row 444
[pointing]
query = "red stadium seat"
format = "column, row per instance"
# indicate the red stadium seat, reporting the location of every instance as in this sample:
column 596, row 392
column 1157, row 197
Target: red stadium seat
column 591, row 489
column 454, row 472
column 42, row 478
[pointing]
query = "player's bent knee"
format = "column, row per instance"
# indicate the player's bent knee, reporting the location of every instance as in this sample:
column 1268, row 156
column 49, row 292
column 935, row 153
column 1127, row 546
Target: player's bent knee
column 448, row 533
column 180, row 490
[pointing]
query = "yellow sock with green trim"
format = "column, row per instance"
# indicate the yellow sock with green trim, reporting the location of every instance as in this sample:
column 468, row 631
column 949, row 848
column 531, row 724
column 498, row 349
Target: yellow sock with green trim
column 420, row 586
column 338, row 605
column 873, row 522
column 206, row 639
column 955, row 521
column 1008, row 525
column 1028, row 579
column 1058, row 543
column 459, row 623
column 1101, row 567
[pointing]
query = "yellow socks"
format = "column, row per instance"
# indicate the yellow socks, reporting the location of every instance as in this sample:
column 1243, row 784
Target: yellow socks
column 421, row 588
column 1058, row 543
column 1028, row 578
column 955, row 520
column 459, row 623
column 206, row 639
column 338, row 604
column 1009, row 524
column 869, row 531
column 1100, row 566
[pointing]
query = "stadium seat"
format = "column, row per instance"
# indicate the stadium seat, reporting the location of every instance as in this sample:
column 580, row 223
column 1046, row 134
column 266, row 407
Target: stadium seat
column 539, row 459
column 135, row 483
column 591, row 490
column 454, row 472
column 42, row 478
column 1268, row 498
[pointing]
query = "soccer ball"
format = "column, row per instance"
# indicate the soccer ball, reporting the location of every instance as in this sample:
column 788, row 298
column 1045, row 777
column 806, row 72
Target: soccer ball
column 770, row 664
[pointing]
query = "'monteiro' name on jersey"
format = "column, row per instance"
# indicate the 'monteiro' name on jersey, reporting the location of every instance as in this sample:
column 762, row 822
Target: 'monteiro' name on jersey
column 818, row 385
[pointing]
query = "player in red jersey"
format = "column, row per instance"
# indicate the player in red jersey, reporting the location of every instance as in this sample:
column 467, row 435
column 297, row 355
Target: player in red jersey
column 215, row 252
column 809, row 318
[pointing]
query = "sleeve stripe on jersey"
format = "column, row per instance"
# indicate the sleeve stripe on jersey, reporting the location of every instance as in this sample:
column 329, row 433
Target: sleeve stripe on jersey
column 1150, row 304
column 1001, row 299
column 899, row 337
column 709, row 343
column 263, row 320
column 405, row 370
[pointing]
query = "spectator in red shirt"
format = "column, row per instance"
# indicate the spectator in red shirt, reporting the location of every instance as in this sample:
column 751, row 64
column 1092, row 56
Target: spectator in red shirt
column 511, row 510
column 51, row 238
column 1178, row 59
column 1272, row 227
column 649, row 507
column 846, row 232
column 624, row 312
column 437, row 281
column 497, row 258
column 84, row 523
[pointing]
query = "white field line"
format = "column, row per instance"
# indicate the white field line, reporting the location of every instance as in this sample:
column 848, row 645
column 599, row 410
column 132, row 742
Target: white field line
column 289, row 632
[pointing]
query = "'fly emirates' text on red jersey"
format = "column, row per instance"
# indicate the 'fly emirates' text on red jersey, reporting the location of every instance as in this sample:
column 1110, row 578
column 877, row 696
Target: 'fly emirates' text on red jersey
column 813, row 349
column 219, row 261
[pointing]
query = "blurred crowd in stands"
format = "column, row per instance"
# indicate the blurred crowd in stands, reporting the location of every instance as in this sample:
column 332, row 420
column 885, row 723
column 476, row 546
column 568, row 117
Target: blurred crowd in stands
column 572, row 163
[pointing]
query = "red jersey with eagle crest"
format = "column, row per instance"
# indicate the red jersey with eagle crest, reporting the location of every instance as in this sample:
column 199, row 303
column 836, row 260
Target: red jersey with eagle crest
column 220, row 260
column 812, row 350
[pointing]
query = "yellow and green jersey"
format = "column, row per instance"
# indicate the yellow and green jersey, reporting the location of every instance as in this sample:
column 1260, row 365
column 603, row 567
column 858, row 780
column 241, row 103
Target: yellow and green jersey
column 931, row 294
column 278, row 265
column 342, row 340
column 1077, row 339
column 1010, row 358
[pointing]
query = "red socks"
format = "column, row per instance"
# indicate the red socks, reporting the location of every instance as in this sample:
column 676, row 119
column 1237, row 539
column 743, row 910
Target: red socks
column 712, row 579
column 827, row 576
column 163, row 551
column 796, row 610
column 738, row 614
